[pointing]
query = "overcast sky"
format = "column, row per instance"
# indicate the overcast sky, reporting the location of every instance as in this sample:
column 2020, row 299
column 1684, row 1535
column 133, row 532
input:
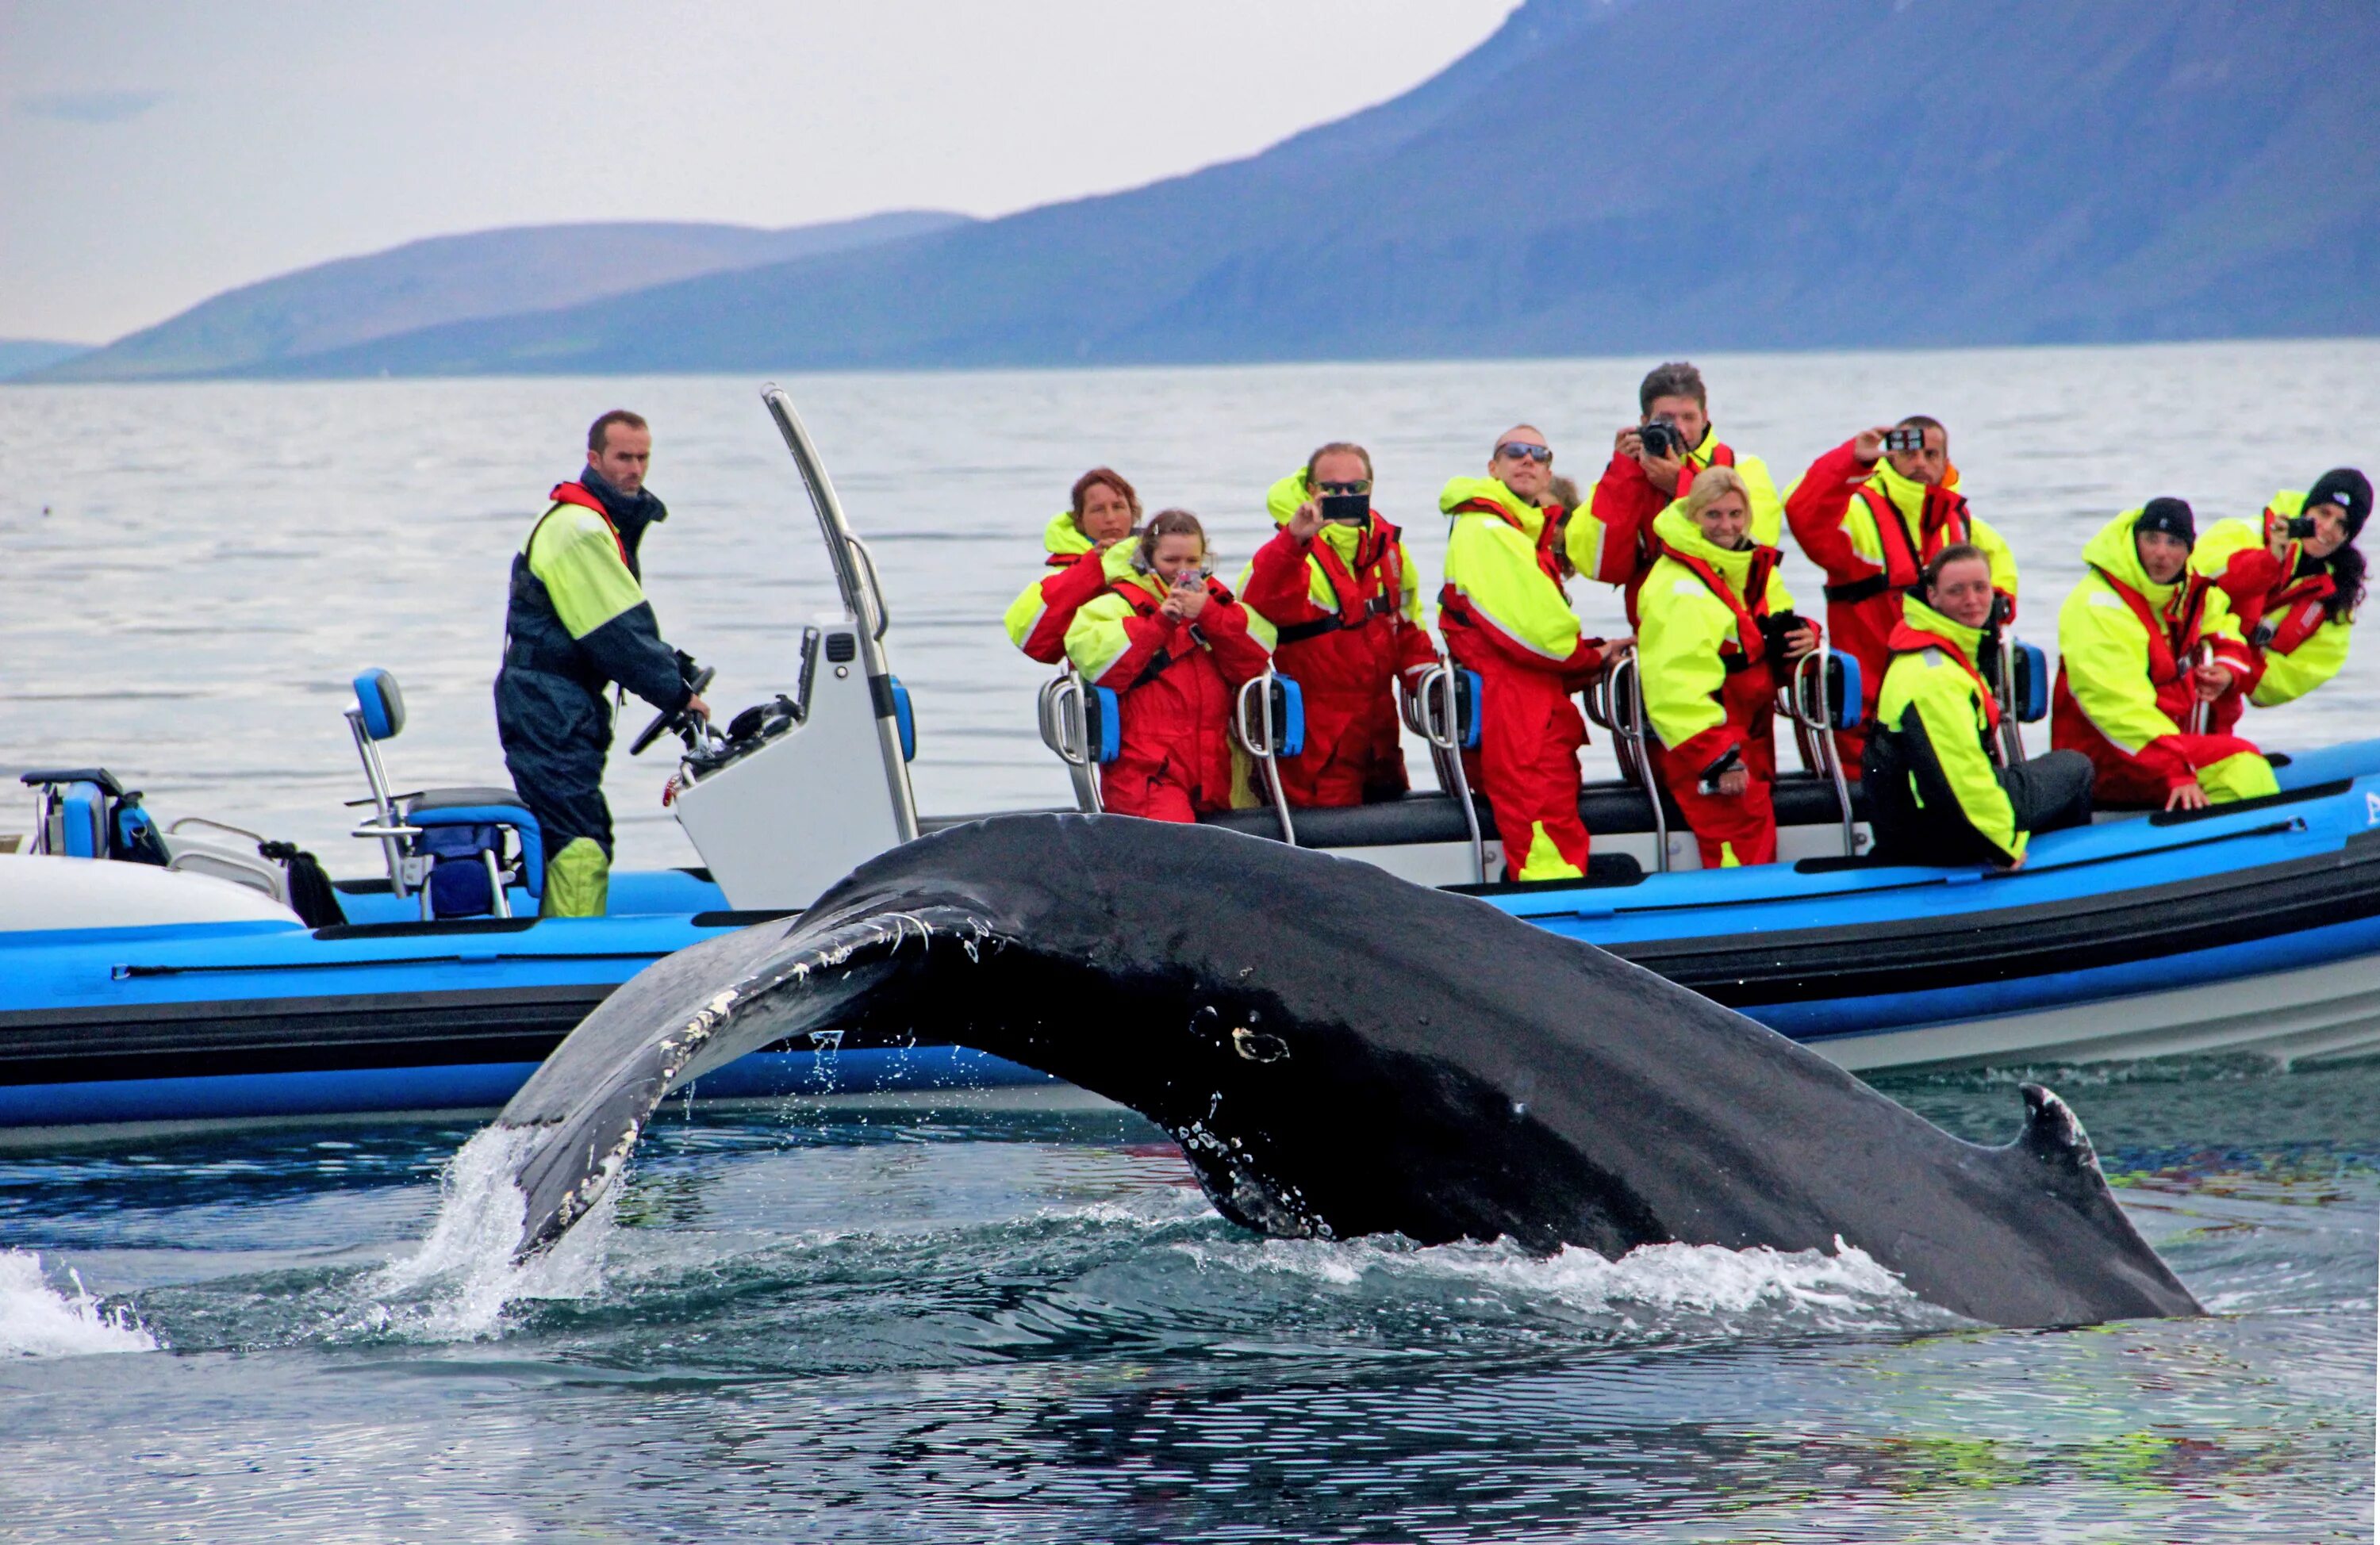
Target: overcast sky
column 153, row 152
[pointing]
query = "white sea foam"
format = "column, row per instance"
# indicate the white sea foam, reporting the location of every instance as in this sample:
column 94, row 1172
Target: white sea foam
column 458, row 1286
column 39, row 1320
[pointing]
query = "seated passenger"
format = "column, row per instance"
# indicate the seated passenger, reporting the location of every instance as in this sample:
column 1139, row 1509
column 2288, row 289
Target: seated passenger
column 2129, row 672
column 1717, row 632
column 1655, row 462
column 1871, row 518
column 1079, row 539
column 1505, row 615
column 1174, row 645
column 1935, row 791
column 2294, row 581
column 1336, row 593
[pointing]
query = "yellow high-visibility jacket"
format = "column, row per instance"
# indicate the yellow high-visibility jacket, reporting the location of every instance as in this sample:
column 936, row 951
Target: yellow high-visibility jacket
column 1682, row 629
column 2298, row 647
column 1936, row 706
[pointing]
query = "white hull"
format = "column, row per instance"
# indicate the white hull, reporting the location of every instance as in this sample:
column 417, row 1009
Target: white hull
column 2330, row 1011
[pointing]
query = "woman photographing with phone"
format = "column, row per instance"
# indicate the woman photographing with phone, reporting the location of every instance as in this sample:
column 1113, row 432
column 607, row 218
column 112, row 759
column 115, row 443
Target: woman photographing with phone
column 2294, row 580
column 1174, row 644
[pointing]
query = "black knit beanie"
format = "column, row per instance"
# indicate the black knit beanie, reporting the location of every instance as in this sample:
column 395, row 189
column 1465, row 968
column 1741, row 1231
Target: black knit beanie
column 2171, row 516
column 2344, row 485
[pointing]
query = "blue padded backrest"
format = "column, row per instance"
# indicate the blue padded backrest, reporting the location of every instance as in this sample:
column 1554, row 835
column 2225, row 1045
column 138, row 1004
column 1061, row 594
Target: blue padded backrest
column 84, row 810
column 2032, row 683
column 1470, row 687
column 1289, row 715
column 1107, row 724
column 1842, row 690
column 383, row 704
column 908, row 722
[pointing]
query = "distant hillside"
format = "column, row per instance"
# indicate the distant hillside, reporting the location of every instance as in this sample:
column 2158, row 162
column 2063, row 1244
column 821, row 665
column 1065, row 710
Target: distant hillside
column 1608, row 176
column 19, row 356
column 340, row 305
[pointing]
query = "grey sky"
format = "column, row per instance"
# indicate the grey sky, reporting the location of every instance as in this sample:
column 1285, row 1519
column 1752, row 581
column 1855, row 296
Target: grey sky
column 154, row 153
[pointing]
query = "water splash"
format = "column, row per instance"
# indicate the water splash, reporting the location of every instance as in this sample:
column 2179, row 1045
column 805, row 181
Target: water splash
column 38, row 1320
column 460, row 1284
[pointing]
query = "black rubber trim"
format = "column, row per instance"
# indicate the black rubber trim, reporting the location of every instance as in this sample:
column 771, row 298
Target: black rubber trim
column 2262, row 802
column 879, row 697
column 1604, row 871
column 2152, row 923
column 420, row 930
column 743, row 918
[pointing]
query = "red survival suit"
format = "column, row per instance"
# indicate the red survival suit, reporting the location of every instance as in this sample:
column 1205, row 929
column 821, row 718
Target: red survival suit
column 1173, row 683
column 1610, row 540
column 1345, row 654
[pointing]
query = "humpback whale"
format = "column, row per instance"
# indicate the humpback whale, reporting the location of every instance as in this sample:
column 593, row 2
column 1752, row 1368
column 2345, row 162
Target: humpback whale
column 1341, row 1052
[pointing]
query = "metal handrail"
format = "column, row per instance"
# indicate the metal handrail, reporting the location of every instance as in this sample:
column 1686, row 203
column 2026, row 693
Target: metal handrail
column 1997, row 666
column 1261, row 740
column 1066, row 730
column 1816, row 725
column 1631, row 737
column 1434, row 689
column 2202, row 712
column 854, row 575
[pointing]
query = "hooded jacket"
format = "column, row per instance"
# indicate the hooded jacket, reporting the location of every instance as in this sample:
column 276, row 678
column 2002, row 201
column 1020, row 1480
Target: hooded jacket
column 1502, row 604
column 577, row 608
column 1610, row 540
column 1704, row 662
column 2295, row 643
column 1038, row 618
column 1174, row 682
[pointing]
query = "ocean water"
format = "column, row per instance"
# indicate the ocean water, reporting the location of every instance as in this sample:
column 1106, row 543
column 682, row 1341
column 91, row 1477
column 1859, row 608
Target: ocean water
column 1014, row 1317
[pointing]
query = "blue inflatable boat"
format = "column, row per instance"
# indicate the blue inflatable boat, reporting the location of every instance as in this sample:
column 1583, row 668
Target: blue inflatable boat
column 188, row 972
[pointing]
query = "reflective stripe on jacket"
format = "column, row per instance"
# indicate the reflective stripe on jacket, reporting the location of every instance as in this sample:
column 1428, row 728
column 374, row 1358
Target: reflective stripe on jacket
column 1935, row 701
column 1503, row 585
column 1696, row 638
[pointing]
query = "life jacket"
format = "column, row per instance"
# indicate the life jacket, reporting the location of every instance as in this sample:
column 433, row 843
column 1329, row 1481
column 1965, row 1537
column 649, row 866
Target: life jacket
column 1942, row 522
column 1908, row 640
column 1752, row 645
column 1548, row 541
column 1143, row 604
column 2171, row 641
column 535, row 638
column 1374, row 587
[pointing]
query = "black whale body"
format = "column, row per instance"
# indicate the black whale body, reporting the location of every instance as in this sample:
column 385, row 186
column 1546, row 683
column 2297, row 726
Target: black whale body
column 1341, row 1052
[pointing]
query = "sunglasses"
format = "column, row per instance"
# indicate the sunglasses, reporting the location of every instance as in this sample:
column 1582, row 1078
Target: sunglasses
column 1361, row 485
column 1541, row 455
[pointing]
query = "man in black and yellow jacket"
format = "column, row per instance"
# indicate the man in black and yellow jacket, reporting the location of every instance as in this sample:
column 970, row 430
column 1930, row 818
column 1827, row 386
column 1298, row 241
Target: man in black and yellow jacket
column 1935, row 793
column 577, row 622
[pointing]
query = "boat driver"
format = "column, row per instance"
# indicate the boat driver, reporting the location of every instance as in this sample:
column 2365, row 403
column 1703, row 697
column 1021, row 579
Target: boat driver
column 577, row 623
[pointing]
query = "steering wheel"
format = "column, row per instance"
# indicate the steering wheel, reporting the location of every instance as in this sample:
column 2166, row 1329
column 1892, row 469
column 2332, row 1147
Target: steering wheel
column 676, row 721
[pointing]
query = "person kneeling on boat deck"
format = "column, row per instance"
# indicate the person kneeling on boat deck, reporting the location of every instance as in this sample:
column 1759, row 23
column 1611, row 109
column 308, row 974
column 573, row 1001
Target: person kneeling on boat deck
column 1935, row 792
column 1336, row 592
column 1872, row 516
column 2294, row 580
column 1087, row 549
column 1718, row 638
column 1505, row 615
column 2142, row 643
column 1174, row 647
column 1654, row 462
column 578, row 621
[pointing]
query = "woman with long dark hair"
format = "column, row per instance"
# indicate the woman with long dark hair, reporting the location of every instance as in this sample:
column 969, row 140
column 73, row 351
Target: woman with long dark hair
column 2294, row 580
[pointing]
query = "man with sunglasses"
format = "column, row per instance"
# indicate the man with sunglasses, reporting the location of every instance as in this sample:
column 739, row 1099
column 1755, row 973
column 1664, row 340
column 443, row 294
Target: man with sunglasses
column 1335, row 595
column 1653, row 463
column 1505, row 615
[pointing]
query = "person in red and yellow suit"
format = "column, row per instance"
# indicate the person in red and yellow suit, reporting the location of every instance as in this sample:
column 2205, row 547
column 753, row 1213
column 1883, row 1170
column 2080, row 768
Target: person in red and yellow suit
column 1174, row 645
column 1504, row 614
column 1718, row 629
column 1655, row 462
column 1335, row 594
column 2294, row 580
column 1872, row 519
column 1087, row 549
column 2131, row 672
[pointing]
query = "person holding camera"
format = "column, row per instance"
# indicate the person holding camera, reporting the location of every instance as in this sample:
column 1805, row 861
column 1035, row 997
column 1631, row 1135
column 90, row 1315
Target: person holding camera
column 1504, row 614
column 2294, row 580
column 1086, row 548
column 1174, row 647
column 1937, row 793
column 1654, row 462
column 577, row 622
column 1871, row 514
column 2142, row 644
column 1335, row 592
column 1718, row 638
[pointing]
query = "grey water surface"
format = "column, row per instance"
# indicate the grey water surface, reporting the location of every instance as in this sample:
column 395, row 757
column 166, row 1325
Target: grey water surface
column 1012, row 1316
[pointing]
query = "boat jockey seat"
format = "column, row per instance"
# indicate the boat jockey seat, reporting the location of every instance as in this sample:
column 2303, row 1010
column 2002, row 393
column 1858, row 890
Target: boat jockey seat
column 448, row 846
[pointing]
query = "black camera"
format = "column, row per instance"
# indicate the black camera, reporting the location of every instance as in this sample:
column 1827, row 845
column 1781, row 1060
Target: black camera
column 2299, row 527
column 1347, row 509
column 1661, row 440
column 1911, row 437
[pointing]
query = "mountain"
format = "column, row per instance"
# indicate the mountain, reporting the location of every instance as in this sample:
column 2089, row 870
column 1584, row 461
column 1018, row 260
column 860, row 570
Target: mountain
column 261, row 329
column 21, row 356
column 1628, row 176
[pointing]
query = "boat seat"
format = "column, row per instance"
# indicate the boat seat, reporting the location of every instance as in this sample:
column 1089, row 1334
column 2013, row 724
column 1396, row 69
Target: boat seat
column 448, row 845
